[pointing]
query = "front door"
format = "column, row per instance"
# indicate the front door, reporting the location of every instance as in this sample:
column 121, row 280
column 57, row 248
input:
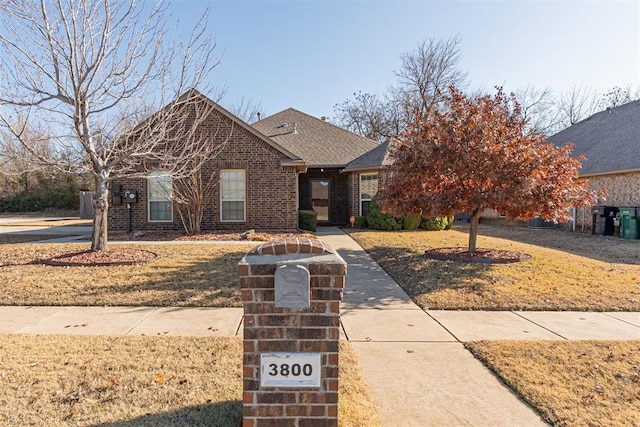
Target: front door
column 320, row 198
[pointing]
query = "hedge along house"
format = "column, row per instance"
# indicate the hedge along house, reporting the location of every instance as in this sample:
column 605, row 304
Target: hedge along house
column 327, row 186
column 610, row 141
column 254, row 184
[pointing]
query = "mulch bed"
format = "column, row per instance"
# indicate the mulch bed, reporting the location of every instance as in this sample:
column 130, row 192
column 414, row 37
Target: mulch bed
column 484, row 256
column 257, row 236
column 118, row 256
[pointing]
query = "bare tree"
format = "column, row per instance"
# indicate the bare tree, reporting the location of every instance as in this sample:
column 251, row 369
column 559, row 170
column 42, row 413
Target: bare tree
column 90, row 71
column 246, row 110
column 427, row 72
column 538, row 107
column 576, row 104
column 191, row 192
column 617, row 96
column 17, row 164
column 422, row 82
column 368, row 115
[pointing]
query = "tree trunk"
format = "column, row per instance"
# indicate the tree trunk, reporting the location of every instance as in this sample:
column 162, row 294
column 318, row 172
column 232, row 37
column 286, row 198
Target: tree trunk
column 473, row 229
column 100, row 210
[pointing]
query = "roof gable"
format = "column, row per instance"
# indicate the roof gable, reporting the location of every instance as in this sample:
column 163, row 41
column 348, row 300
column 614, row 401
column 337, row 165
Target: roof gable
column 193, row 96
column 374, row 159
column 317, row 142
column 610, row 140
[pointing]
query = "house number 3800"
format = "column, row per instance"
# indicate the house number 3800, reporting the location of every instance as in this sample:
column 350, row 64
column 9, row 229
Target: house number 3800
column 285, row 370
column 290, row 370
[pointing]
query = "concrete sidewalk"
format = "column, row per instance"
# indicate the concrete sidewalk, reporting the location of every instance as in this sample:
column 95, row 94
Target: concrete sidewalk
column 414, row 362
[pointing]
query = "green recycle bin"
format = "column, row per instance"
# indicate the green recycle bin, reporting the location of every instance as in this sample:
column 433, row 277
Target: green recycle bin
column 629, row 224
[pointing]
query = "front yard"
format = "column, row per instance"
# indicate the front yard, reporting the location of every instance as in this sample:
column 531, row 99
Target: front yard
column 568, row 271
column 141, row 381
column 180, row 275
column 86, row 380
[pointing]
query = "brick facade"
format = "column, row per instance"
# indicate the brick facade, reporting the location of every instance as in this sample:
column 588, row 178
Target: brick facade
column 270, row 187
column 268, row 329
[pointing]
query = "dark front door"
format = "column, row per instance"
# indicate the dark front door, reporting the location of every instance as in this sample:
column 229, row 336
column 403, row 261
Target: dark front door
column 320, row 190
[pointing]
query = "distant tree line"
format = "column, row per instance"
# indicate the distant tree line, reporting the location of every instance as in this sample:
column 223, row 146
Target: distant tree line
column 423, row 80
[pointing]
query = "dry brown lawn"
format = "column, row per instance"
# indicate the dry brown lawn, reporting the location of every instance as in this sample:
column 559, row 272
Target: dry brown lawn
column 10, row 239
column 201, row 275
column 568, row 271
column 44, row 222
column 571, row 383
column 84, row 380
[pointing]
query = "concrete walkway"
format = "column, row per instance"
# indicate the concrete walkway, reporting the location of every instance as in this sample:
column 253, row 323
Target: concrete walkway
column 414, row 362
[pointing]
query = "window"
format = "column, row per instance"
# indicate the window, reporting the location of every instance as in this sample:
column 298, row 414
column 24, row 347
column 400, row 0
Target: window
column 232, row 195
column 160, row 188
column 368, row 190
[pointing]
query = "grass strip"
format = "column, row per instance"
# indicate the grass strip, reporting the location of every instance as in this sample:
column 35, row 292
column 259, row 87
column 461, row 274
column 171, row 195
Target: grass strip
column 131, row 381
column 569, row 383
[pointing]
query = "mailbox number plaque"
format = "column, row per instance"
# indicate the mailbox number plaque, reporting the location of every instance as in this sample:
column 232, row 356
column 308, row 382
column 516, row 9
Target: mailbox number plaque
column 290, row 370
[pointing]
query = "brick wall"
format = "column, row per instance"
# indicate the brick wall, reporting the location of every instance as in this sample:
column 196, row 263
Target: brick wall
column 268, row 329
column 270, row 188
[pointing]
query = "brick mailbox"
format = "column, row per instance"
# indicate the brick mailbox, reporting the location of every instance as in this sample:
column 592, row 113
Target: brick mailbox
column 291, row 291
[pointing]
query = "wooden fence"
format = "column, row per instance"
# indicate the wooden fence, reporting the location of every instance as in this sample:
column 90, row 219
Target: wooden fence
column 86, row 207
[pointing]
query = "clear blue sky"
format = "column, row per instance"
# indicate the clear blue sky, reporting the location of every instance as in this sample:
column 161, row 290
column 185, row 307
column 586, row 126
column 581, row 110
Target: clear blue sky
column 311, row 55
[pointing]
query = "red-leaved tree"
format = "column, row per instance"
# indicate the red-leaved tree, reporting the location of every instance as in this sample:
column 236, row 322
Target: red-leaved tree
column 477, row 154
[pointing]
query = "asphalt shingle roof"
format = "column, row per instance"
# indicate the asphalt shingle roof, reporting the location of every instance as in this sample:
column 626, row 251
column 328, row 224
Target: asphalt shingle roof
column 610, row 140
column 374, row 159
column 317, row 142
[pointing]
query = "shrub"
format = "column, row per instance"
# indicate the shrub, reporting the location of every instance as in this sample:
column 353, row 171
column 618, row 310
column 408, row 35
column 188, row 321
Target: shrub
column 379, row 221
column 436, row 224
column 255, row 237
column 411, row 222
column 451, row 219
column 24, row 202
column 361, row 222
column 307, row 220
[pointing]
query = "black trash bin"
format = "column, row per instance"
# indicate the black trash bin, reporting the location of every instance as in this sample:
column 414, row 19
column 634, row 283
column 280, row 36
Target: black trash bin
column 603, row 217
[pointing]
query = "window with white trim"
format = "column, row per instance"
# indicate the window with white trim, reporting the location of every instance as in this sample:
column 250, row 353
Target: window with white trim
column 368, row 190
column 160, row 197
column 232, row 194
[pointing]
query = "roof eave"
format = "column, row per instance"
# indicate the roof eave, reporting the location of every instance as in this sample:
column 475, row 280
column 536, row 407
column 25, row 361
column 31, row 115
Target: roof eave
column 327, row 166
column 363, row 169
column 610, row 172
column 300, row 165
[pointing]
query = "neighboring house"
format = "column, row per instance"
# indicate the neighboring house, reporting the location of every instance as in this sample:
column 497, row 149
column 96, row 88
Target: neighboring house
column 610, row 141
column 265, row 173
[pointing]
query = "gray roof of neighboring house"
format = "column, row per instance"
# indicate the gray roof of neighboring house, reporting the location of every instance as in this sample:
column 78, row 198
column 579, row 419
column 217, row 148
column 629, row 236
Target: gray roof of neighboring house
column 374, row 159
column 317, row 142
column 610, row 140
